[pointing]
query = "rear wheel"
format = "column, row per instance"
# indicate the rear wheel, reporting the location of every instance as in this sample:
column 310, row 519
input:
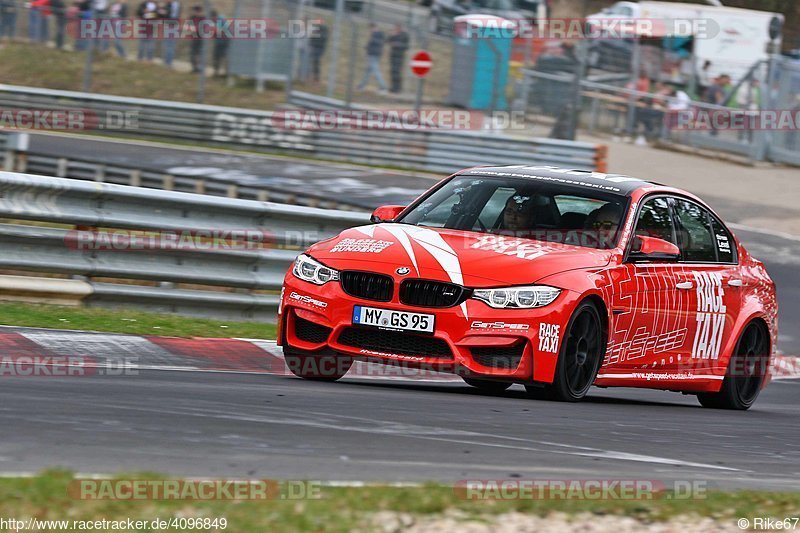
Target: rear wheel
column 317, row 367
column 487, row 385
column 582, row 349
column 746, row 372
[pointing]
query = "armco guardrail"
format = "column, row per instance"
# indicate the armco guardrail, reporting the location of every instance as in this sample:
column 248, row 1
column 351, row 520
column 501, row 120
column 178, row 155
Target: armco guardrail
column 141, row 176
column 439, row 151
column 235, row 280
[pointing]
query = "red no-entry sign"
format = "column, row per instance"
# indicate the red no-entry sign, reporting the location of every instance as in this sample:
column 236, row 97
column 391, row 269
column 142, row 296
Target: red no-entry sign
column 421, row 64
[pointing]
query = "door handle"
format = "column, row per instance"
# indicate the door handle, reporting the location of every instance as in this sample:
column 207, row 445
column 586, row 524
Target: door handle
column 734, row 283
column 685, row 285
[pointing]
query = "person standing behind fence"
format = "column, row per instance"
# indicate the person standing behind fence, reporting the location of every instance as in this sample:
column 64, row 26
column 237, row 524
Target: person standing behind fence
column 8, row 19
column 197, row 43
column 34, row 16
column 398, row 46
column 374, row 53
column 172, row 12
column 748, row 98
column 318, row 42
column 220, row 54
column 147, row 11
column 118, row 12
column 59, row 9
column 704, row 79
column 100, row 14
column 42, row 20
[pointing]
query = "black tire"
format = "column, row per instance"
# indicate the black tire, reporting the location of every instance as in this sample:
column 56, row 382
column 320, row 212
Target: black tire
column 486, row 385
column 746, row 372
column 583, row 347
column 317, row 367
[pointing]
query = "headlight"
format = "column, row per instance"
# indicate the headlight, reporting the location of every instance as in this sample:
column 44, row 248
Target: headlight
column 517, row 297
column 311, row 270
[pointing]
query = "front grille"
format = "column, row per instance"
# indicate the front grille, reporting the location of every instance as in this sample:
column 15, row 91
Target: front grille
column 394, row 342
column 308, row 331
column 426, row 293
column 507, row 357
column 367, row 285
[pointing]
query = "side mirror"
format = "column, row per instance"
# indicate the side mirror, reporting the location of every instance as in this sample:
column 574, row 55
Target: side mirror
column 386, row 213
column 653, row 249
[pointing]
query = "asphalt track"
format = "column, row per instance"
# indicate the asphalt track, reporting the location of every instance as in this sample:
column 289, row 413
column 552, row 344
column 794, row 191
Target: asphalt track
column 362, row 186
column 226, row 424
column 259, row 426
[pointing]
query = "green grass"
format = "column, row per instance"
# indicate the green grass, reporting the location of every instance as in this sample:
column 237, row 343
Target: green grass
column 46, row 496
column 39, row 66
column 127, row 321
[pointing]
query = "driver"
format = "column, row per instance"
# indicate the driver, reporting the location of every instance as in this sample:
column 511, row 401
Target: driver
column 518, row 213
column 604, row 223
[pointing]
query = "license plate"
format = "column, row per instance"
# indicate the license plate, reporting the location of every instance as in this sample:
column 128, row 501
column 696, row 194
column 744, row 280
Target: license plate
column 396, row 320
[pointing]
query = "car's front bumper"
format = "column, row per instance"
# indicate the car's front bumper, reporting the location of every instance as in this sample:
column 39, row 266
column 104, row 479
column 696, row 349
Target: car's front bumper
column 509, row 344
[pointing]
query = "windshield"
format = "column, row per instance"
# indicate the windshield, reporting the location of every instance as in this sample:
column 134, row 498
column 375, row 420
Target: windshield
column 522, row 208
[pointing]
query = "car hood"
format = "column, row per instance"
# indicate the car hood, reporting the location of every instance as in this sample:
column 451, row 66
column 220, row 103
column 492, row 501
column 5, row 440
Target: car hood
column 467, row 258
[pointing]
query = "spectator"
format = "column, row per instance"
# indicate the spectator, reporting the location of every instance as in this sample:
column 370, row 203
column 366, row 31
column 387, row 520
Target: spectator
column 398, row 45
column 748, row 98
column 679, row 100
column 318, row 42
column 100, row 13
column 642, row 84
column 42, row 20
column 8, row 19
column 59, row 10
column 374, row 53
column 34, row 17
column 650, row 112
column 118, row 12
column 716, row 91
column 196, row 50
column 73, row 14
column 749, row 95
column 172, row 12
column 704, row 80
column 220, row 53
column 147, row 11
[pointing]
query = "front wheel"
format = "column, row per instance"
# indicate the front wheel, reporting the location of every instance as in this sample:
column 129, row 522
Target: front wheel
column 746, row 372
column 582, row 351
column 494, row 387
column 318, row 367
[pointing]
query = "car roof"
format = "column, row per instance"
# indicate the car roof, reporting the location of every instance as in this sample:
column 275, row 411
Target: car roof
column 612, row 183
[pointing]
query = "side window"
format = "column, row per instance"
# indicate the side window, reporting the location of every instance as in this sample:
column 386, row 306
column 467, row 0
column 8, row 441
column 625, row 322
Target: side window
column 726, row 246
column 438, row 216
column 697, row 242
column 655, row 220
column 493, row 208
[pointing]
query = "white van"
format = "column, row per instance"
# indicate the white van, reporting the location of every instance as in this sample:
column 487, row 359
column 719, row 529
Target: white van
column 732, row 39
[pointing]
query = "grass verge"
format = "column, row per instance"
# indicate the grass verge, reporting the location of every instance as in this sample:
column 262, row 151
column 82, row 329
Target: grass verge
column 46, row 496
column 127, row 321
column 39, row 66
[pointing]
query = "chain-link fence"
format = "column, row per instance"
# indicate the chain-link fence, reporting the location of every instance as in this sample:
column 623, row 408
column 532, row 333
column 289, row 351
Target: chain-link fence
column 785, row 89
column 756, row 117
column 364, row 56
